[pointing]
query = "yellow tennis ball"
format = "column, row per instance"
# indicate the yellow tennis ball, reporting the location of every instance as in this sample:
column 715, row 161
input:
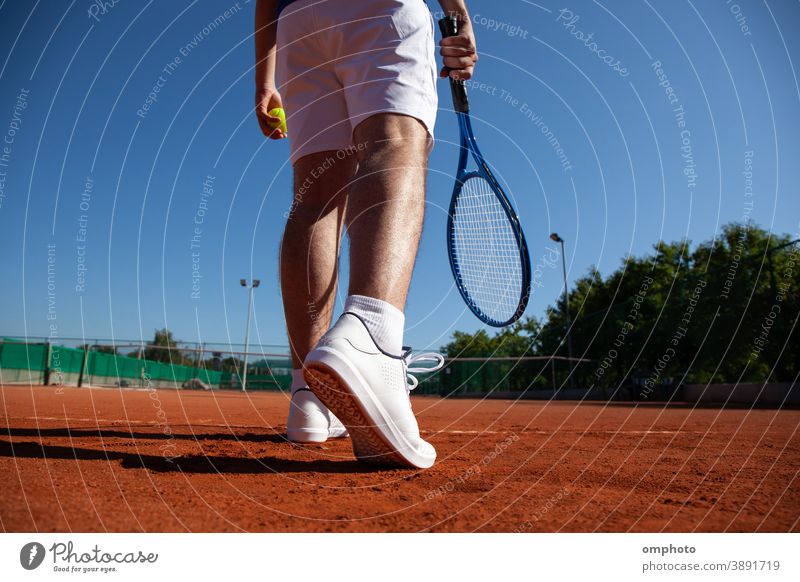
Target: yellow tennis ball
column 278, row 112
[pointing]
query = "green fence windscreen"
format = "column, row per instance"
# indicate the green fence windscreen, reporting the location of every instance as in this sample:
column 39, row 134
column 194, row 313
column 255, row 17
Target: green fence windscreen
column 36, row 363
column 28, row 363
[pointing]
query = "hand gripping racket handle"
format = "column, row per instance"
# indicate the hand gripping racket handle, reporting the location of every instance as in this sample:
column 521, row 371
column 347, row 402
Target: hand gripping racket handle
column 449, row 27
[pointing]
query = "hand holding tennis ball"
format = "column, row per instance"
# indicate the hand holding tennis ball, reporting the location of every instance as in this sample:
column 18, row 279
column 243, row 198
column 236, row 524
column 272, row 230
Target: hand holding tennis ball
column 269, row 112
column 281, row 122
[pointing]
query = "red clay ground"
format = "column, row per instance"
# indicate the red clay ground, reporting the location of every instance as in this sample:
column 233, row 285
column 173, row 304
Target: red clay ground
column 97, row 460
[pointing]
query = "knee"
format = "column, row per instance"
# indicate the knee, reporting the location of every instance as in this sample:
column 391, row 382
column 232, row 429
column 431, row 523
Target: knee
column 389, row 137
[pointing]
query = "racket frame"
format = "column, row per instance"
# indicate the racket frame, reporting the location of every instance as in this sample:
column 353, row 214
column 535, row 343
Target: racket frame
column 469, row 146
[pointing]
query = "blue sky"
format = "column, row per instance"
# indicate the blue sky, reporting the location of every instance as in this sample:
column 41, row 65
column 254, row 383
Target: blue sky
column 87, row 161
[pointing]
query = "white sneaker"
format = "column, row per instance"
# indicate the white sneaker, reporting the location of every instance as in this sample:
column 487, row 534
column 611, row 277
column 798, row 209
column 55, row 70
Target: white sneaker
column 309, row 421
column 368, row 390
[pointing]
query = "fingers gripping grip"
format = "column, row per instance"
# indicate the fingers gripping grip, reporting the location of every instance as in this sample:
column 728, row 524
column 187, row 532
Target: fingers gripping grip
column 449, row 27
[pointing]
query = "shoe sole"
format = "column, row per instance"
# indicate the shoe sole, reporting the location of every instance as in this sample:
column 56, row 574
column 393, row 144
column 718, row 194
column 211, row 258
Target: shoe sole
column 369, row 443
column 312, row 437
column 307, row 436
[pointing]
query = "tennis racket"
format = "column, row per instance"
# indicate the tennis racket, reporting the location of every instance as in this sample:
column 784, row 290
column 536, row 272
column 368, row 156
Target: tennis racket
column 488, row 254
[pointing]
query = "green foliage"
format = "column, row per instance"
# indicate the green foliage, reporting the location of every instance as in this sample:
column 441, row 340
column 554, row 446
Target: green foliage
column 697, row 317
column 166, row 350
column 229, row 364
column 725, row 312
column 100, row 349
column 517, row 340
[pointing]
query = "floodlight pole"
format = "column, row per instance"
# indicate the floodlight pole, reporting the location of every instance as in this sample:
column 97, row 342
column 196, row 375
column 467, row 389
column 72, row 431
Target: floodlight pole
column 243, row 283
column 555, row 238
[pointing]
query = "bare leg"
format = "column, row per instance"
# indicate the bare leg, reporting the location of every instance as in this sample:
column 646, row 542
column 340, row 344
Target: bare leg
column 310, row 248
column 386, row 206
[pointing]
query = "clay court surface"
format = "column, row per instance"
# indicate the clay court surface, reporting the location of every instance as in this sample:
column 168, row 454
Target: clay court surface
column 126, row 460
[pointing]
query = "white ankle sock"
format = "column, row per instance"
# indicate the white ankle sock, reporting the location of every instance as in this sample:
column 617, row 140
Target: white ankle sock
column 384, row 321
column 298, row 381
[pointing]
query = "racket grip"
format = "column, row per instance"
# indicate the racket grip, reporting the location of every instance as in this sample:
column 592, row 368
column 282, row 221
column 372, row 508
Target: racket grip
column 449, row 27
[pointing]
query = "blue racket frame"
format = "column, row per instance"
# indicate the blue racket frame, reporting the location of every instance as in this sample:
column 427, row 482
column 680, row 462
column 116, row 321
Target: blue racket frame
column 469, row 146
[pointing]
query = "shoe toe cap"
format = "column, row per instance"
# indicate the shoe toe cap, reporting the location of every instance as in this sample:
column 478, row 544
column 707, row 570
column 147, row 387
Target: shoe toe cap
column 426, row 453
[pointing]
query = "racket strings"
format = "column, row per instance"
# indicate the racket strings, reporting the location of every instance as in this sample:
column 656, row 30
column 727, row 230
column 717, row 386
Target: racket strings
column 486, row 251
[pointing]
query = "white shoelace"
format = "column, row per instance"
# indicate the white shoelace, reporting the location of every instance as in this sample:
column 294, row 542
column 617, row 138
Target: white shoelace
column 409, row 360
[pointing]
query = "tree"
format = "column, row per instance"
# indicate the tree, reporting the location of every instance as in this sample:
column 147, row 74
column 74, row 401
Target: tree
column 164, row 349
column 96, row 348
column 519, row 339
column 751, row 305
column 725, row 312
column 464, row 344
column 692, row 316
column 516, row 341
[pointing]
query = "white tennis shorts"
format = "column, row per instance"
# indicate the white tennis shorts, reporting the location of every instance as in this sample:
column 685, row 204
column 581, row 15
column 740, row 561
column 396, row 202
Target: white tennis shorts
column 342, row 61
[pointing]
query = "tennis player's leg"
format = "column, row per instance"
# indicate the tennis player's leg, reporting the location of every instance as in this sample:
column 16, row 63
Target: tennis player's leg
column 386, row 180
column 386, row 206
column 310, row 248
column 309, row 258
column 359, row 369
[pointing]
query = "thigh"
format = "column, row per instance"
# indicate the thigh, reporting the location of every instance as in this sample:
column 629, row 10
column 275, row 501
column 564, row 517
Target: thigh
column 383, row 136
